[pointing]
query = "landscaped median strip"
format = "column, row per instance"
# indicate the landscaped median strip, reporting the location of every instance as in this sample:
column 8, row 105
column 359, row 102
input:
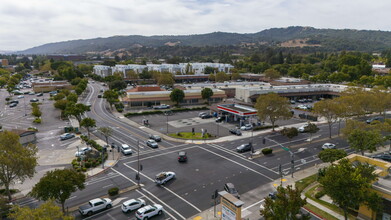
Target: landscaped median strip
column 74, row 208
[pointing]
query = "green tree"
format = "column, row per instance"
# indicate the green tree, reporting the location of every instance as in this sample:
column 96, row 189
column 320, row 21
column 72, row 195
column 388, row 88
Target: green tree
column 117, row 85
column 72, row 97
column 272, row 74
column 111, row 96
column 88, row 123
column 76, row 110
column 58, row 185
column 106, row 132
column 59, row 96
column 209, row 70
column 17, row 162
column 331, row 155
column 46, row 211
column 235, row 76
column 212, row 77
column 36, row 112
column 289, row 132
column 272, row 107
column 177, row 96
column 206, row 93
column 311, row 129
column 166, row 79
column 286, row 205
column 329, row 110
column 364, row 140
column 221, row 77
column 347, row 184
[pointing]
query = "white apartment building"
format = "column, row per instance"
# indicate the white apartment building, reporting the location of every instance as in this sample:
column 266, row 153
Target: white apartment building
column 102, row 70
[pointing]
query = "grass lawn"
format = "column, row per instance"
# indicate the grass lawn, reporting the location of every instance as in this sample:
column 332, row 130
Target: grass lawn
column 303, row 183
column 189, row 135
column 320, row 212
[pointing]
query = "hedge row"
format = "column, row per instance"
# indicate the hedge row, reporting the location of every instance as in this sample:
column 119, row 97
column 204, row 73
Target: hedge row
column 92, row 143
column 162, row 112
column 264, row 127
column 266, row 151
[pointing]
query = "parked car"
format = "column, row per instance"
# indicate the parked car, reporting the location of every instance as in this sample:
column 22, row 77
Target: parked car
column 230, row 188
column 163, row 177
column 206, row 116
column 377, row 118
column 220, row 118
column 40, row 94
column 31, row 93
column 386, row 157
column 14, row 101
column 246, row 127
column 83, row 151
column 244, row 147
column 235, row 131
column 182, row 156
column 303, row 128
column 155, row 137
column 132, row 204
column 13, row 105
column 162, row 106
column 302, row 107
column 151, row 143
column 328, row 146
column 66, row 136
column 273, row 195
column 292, row 101
column 20, row 96
column 34, row 100
column 149, row 211
column 126, row 150
column 201, row 113
column 95, row 205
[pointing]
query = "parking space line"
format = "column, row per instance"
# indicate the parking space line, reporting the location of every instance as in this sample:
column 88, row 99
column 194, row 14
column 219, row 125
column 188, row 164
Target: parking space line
column 169, row 190
column 176, row 212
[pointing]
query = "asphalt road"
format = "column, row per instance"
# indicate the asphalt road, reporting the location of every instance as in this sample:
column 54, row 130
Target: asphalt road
column 209, row 167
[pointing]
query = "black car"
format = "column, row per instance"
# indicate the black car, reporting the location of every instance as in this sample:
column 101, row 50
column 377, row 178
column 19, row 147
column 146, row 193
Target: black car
column 14, row 101
column 40, row 94
column 386, row 157
column 34, row 100
column 244, row 147
column 220, row 119
column 378, row 118
column 182, row 157
column 155, row 137
column 235, row 131
column 13, row 105
column 206, row 116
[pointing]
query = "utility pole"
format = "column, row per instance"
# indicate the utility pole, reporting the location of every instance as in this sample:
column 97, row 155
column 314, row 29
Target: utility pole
column 24, row 103
column 217, row 129
column 292, row 161
column 103, row 158
column 167, row 123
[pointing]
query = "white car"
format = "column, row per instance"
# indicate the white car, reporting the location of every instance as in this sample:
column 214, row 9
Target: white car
column 132, row 204
column 246, row 127
column 328, row 146
column 126, row 150
column 302, row 107
column 151, row 143
column 20, row 96
column 83, row 151
column 163, row 177
column 302, row 128
column 149, row 211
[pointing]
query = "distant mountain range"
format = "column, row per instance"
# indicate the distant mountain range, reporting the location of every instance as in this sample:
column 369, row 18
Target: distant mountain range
column 291, row 37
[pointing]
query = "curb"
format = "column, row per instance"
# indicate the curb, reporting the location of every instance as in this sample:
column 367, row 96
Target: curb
column 107, row 167
column 74, row 208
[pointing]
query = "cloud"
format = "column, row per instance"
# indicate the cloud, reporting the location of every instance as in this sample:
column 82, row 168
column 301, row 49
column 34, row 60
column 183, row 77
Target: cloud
column 28, row 23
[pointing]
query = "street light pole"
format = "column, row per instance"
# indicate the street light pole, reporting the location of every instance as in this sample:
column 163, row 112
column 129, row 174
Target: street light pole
column 138, row 163
column 24, row 103
column 167, row 123
column 217, row 129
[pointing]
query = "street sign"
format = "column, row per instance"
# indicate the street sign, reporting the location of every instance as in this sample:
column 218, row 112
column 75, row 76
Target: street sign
column 285, row 149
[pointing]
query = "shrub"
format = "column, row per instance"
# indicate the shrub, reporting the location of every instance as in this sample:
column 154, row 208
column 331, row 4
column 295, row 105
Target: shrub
column 87, row 164
column 7, row 99
column 319, row 194
column 113, row 191
column 266, row 151
column 37, row 121
column 263, row 127
column 83, row 169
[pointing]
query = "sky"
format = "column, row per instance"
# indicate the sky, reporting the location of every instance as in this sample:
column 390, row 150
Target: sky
column 29, row 23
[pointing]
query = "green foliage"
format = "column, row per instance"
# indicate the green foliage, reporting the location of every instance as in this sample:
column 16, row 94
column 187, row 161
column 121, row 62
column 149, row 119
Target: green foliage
column 348, row 185
column 267, row 151
column 273, row 107
column 75, row 110
column 289, row 132
column 177, row 96
column 18, row 162
column 37, row 120
column 206, row 93
column 111, row 96
column 221, row 77
column 166, row 79
column 58, row 185
column 88, row 123
column 364, row 140
column 113, row 191
column 117, row 85
column 72, row 97
column 286, row 206
column 331, row 155
column 319, row 194
column 46, row 211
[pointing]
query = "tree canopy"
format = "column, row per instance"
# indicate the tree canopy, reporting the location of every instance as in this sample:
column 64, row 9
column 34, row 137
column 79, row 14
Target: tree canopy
column 206, row 93
column 331, row 155
column 177, row 96
column 46, row 211
column 88, row 123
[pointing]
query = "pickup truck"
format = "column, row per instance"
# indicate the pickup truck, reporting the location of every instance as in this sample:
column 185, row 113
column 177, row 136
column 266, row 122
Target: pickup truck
column 164, row 177
column 95, row 205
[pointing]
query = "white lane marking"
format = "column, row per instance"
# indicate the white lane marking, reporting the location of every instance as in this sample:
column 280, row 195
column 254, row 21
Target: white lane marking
column 151, row 195
column 72, row 197
column 240, row 156
column 240, row 164
column 172, row 192
column 160, row 154
column 107, row 186
column 253, row 205
column 108, row 214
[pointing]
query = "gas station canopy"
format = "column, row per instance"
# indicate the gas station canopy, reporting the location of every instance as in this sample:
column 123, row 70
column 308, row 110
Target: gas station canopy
column 239, row 110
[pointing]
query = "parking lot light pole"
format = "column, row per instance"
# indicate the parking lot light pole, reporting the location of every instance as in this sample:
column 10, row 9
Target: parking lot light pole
column 217, row 124
column 138, row 163
column 167, row 123
column 24, row 102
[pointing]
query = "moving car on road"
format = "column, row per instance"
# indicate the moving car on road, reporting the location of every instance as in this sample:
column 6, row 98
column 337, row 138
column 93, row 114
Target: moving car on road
column 149, row 211
column 182, row 157
column 66, row 136
column 328, row 146
column 163, row 177
column 244, row 147
column 95, row 205
column 205, row 116
column 132, row 204
column 151, row 143
column 126, row 150
column 155, row 137
column 246, row 127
